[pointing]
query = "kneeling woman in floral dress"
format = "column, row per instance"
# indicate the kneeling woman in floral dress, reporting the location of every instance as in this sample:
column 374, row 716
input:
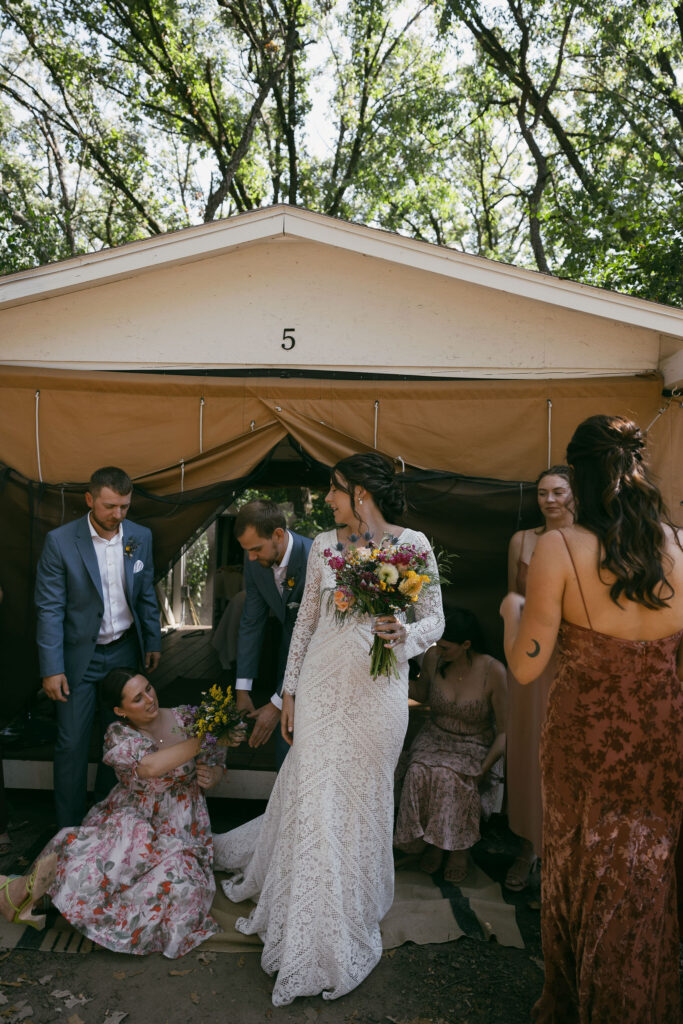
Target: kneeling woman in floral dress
column 136, row 876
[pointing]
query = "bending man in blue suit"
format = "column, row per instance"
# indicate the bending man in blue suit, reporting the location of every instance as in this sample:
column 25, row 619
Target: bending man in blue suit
column 97, row 610
column 274, row 577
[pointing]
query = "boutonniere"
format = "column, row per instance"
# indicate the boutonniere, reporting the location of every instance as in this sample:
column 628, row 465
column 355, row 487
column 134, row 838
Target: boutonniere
column 130, row 547
column 290, row 583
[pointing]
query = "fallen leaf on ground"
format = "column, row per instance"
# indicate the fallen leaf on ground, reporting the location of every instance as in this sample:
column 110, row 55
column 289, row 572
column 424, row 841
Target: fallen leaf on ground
column 241, row 962
column 115, row 1018
column 79, row 1000
column 119, row 975
column 3, row 999
column 45, row 978
column 390, row 953
column 59, row 994
column 206, row 958
column 181, row 974
column 74, row 1019
column 12, row 984
column 21, row 1012
column 194, row 997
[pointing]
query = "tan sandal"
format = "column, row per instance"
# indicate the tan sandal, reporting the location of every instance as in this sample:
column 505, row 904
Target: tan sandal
column 457, row 873
column 520, row 871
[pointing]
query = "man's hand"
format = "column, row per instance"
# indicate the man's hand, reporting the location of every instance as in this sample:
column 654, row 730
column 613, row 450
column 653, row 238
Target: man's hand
column 56, row 687
column 152, row 659
column 243, row 701
column 265, row 720
column 287, row 718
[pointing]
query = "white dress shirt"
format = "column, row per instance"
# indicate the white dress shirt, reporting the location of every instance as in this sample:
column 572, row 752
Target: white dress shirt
column 117, row 616
column 279, row 574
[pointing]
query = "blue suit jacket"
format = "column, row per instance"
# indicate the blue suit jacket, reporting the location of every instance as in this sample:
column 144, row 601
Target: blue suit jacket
column 263, row 597
column 69, row 598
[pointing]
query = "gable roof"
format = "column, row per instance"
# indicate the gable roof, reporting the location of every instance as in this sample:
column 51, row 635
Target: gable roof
column 289, row 222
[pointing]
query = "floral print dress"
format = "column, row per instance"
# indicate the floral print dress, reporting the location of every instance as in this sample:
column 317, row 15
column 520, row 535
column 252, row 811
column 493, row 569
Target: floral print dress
column 136, row 876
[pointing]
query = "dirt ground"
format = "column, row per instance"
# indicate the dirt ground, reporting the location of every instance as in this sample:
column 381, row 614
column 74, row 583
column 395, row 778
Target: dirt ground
column 463, row 982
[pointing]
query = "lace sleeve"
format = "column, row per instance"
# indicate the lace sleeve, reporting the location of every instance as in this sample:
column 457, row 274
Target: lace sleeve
column 307, row 618
column 429, row 621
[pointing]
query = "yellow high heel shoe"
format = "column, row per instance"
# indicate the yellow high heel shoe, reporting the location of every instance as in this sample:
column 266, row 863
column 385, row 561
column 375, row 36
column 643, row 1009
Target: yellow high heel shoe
column 37, row 884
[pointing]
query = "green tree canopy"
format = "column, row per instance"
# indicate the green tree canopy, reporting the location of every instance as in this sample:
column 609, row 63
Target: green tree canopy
column 540, row 132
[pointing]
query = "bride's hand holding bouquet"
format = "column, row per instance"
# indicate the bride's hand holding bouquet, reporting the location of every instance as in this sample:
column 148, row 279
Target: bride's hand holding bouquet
column 381, row 580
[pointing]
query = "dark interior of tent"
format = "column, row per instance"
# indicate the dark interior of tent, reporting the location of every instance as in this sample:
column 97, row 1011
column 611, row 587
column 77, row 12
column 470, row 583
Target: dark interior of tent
column 470, row 519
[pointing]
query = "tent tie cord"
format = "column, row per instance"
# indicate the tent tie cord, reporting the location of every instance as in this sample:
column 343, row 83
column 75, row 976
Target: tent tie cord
column 182, row 475
column 550, row 431
column 659, row 414
column 201, row 424
column 40, row 469
column 376, row 421
column 519, row 507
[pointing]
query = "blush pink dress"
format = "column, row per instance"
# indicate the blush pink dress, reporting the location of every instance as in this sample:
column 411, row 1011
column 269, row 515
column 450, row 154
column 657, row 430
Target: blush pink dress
column 526, row 712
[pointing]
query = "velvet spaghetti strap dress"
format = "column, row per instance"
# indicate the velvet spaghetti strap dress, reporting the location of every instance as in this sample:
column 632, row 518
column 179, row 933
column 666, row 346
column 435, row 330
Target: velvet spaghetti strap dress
column 612, row 765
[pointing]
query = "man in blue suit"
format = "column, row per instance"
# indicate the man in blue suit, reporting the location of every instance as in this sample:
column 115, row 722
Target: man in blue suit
column 97, row 610
column 274, row 577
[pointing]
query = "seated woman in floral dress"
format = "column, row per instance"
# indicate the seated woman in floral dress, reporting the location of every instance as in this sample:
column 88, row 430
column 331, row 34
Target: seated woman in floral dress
column 136, row 876
column 454, row 772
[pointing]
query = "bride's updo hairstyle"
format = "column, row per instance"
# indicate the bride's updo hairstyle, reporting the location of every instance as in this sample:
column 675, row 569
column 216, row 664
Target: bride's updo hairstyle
column 376, row 475
column 618, row 502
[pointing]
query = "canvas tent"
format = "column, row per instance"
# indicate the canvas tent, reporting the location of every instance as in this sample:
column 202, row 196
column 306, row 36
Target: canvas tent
column 266, row 347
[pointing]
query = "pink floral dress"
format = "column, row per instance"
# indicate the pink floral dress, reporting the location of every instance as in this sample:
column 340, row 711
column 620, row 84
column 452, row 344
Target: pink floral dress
column 136, row 876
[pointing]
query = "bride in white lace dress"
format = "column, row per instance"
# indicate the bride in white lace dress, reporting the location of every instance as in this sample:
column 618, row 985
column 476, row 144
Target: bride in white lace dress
column 319, row 861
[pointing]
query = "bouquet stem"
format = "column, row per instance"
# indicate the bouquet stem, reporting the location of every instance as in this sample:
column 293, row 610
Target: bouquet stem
column 383, row 661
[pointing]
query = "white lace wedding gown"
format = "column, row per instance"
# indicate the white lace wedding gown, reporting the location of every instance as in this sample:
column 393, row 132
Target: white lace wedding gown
column 319, row 860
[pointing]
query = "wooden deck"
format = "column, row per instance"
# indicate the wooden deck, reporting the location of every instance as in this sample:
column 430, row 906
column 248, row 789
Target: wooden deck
column 186, row 653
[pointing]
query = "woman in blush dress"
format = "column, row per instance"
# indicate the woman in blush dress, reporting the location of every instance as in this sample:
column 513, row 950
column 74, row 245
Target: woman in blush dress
column 320, row 860
column 528, row 703
column 136, row 876
column 609, row 590
column 454, row 769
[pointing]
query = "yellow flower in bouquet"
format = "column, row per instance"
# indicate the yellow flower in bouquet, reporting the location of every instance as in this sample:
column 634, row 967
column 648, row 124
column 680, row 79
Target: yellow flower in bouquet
column 219, row 718
column 412, row 583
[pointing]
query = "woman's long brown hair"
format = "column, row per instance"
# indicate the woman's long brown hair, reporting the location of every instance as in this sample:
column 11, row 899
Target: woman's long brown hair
column 617, row 501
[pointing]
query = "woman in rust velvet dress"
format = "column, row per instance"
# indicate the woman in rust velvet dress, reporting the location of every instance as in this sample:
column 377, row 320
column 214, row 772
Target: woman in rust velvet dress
column 528, row 703
column 612, row 744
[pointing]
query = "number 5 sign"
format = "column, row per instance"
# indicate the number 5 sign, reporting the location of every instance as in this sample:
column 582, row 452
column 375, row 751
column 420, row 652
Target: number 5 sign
column 288, row 339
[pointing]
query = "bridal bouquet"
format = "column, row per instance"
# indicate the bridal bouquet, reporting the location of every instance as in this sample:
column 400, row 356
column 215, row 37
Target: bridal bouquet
column 377, row 579
column 219, row 717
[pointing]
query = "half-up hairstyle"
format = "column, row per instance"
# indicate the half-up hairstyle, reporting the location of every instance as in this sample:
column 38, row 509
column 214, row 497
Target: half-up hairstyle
column 618, row 502
column 376, row 475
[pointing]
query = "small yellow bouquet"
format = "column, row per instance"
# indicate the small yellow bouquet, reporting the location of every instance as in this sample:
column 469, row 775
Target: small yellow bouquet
column 219, row 719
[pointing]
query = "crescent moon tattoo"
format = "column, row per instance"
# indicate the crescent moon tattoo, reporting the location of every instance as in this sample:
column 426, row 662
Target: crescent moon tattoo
column 535, row 650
